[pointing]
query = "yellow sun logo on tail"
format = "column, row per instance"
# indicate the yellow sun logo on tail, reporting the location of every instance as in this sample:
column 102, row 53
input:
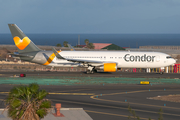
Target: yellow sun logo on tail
column 21, row 44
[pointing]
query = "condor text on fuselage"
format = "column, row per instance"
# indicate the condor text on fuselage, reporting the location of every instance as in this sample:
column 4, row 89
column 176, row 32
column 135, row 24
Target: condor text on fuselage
column 144, row 58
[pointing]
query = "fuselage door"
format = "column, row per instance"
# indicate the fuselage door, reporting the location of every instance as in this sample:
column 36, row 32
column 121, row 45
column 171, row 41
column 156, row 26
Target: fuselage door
column 157, row 58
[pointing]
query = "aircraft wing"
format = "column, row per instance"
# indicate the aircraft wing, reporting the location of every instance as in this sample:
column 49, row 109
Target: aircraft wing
column 80, row 60
column 84, row 61
column 89, row 61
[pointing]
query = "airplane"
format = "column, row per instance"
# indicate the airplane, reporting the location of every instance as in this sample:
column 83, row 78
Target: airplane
column 108, row 61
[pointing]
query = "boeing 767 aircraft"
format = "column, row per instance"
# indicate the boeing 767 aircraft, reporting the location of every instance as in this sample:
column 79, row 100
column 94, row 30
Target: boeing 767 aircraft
column 108, row 61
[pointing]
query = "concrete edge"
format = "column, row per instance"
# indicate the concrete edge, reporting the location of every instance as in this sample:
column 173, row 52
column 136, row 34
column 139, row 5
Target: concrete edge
column 71, row 109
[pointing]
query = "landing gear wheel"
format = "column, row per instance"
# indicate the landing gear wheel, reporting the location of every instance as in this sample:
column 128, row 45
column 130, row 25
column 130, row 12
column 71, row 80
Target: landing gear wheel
column 91, row 70
column 87, row 71
column 161, row 73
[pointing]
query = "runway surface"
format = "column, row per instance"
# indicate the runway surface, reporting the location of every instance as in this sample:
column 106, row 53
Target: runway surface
column 110, row 102
column 99, row 74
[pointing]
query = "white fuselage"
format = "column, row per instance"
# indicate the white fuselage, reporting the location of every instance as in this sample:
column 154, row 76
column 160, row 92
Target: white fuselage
column 124, row 59
column 107, row 60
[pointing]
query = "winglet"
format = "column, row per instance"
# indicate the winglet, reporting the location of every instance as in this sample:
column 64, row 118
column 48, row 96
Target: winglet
column 70, row 47
column 57, row 54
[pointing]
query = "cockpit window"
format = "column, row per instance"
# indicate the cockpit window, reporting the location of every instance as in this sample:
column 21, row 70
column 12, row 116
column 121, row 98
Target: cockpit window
column 168, row 57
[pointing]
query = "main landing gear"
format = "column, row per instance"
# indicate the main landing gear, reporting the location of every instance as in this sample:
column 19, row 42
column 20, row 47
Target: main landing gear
column 91, row 70
column 162, row 70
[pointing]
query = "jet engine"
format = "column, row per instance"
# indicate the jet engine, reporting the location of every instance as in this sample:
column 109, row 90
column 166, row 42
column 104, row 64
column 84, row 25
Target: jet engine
column 108, row 67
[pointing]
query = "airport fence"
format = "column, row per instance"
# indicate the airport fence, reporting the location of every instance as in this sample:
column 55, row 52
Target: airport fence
column 169, row 69
column 35, row 67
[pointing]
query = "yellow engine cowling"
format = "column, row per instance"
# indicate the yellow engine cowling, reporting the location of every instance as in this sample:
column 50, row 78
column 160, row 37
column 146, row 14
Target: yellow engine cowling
column 110, row 67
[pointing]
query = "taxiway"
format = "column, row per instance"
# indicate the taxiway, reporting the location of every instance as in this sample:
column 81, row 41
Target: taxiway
column 98, row 74
column 111, row 101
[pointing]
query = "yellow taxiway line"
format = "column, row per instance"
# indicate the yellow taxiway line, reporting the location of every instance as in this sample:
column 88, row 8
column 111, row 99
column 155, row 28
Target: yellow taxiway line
column 94, row 97
column 72, row 90
column 62, row 93
column 101, row 106
column 71, row 93
column 115, row 107
column 114, row 114
column 4, row 92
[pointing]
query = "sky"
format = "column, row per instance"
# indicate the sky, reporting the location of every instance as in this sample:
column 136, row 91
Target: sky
column 92, row 16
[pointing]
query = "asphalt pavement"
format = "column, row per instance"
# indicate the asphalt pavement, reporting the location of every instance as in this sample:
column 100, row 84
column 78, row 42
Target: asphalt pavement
column 98, row 74
column 110, row 102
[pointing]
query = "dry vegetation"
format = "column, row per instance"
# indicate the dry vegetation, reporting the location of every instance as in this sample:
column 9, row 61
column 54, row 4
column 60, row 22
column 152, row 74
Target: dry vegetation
column 170, row 98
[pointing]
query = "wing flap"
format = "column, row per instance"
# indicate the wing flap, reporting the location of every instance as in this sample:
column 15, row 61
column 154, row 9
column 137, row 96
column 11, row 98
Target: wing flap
column 84, row 61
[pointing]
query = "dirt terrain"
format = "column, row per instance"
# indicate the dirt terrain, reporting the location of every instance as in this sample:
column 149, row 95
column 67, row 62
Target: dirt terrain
column 170, row 98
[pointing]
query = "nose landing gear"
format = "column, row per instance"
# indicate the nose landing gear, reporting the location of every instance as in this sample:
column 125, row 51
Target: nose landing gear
column 162, row 70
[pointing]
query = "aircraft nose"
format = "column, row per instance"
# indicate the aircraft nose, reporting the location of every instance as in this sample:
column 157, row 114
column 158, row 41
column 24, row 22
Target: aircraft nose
column 174, row 61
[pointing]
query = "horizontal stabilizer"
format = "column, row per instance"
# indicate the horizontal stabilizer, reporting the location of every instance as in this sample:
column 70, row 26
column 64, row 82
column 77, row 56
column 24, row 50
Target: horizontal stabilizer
column 19, row 55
